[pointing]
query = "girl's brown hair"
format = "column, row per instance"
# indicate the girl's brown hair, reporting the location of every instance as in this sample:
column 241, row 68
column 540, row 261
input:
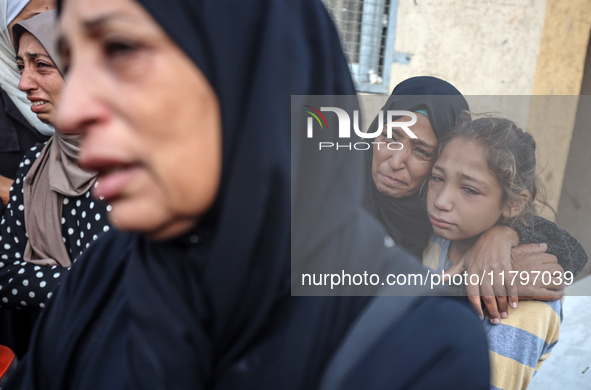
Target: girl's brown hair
column 511, row 157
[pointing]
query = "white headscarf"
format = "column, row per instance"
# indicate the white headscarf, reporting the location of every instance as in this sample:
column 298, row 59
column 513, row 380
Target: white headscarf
column 9, row 76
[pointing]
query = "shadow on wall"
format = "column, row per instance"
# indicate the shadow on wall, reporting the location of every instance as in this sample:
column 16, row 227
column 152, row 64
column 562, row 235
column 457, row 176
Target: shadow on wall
column 574, row 210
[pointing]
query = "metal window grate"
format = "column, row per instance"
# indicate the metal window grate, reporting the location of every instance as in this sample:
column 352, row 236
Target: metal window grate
column 368, row 29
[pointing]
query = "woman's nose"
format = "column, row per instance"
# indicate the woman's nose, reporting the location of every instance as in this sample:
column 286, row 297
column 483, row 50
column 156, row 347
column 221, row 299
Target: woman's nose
column 27, row 82
column 398, row 159
column 80, row 107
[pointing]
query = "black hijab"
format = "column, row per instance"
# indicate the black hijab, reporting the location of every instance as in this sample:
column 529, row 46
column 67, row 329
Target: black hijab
column 405, row 219
column 255, row 55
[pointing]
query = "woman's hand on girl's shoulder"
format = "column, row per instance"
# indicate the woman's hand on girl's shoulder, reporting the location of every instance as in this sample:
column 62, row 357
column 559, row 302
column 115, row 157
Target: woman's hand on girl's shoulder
column 490, row 259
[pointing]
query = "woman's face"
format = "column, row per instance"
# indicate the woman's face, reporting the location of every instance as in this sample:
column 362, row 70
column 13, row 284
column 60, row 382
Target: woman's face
column 400, row 173
column 149, row 118
column 40, row 78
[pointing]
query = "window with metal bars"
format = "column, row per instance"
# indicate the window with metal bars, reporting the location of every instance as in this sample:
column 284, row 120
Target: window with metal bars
column 367, row 30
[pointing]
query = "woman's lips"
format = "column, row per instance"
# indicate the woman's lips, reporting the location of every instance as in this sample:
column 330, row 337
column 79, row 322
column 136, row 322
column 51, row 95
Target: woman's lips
column 39, row 106
column 440, row 223
column 111, row 183
column 390, row 181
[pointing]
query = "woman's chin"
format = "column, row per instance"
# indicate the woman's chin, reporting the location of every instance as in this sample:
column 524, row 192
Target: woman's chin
column 45, row 118
column 155, row 223
column 395, row 193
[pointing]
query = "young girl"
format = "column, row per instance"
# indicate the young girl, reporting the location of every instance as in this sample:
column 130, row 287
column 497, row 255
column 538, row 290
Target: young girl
column 485, row 175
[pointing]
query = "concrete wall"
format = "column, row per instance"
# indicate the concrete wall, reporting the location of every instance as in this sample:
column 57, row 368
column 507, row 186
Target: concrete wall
column 483, row 47
column 513, row 47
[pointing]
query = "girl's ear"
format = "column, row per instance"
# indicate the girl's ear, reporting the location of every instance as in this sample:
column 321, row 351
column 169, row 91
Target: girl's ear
column 513, row 208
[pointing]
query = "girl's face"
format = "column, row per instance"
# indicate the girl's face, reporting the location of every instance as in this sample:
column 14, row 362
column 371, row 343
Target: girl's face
column 464, row 198
column 40, row 78
column 400, row 173
column 149, row 119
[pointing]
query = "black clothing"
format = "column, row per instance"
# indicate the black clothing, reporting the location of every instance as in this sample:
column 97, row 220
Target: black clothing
column 570, row 253
column 439, row 344
column 394, row 352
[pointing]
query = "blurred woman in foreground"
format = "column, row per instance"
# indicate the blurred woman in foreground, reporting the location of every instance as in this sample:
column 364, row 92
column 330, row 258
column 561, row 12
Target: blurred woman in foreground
column 184, row 112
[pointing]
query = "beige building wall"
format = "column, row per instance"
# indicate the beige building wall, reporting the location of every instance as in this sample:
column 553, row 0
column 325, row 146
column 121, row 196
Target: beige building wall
column 483, row 47
column 559, row 71
column 510, row 47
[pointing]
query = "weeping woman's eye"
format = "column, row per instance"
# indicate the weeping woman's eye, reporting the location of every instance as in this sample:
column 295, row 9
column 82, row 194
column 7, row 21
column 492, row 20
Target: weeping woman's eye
column 121, row 54
column 44, row 65
column 118, row 48
column 422, row 153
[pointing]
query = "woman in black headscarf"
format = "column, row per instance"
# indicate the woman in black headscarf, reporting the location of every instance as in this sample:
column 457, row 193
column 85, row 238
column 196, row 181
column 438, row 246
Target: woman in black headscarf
column 184, row 111
column 398, row 206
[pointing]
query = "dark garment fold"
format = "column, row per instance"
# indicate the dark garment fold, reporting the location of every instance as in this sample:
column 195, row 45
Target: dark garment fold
column 570, row 253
